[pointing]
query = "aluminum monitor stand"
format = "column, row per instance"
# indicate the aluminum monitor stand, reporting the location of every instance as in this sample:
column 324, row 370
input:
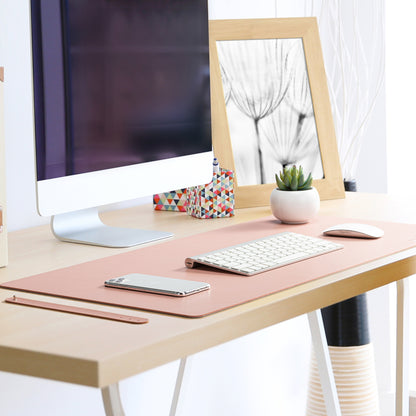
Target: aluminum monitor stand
column 86, row 227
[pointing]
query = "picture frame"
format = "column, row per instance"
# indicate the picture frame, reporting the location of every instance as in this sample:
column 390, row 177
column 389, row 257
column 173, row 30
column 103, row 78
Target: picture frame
column 299, row 31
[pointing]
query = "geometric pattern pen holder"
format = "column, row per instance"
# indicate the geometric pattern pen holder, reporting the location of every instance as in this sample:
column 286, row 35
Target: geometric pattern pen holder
column 213, row 200
column 170, row 201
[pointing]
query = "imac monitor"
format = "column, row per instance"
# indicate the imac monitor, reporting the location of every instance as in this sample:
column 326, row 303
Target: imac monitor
column 121, row 106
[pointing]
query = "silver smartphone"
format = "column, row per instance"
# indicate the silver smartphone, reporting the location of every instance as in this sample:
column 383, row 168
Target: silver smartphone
column 157, row 284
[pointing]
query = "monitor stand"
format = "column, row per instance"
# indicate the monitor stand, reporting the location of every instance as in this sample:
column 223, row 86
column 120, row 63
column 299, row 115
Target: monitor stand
column 86, row 227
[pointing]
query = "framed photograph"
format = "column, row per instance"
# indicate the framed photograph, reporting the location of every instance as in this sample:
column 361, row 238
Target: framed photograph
column 270, row 106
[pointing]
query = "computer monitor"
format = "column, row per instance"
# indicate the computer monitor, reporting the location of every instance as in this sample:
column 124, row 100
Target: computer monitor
column 121, row 108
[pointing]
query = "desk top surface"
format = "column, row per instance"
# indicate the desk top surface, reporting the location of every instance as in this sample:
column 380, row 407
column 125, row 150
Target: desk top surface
column 51, row 344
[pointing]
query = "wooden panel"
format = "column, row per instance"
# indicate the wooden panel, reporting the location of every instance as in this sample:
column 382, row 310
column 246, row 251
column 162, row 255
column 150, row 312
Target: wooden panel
column 412, row 404
column 3, row 227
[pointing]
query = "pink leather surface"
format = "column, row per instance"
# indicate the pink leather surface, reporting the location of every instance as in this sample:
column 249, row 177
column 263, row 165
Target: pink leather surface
column 78, row 311
column 86, row 281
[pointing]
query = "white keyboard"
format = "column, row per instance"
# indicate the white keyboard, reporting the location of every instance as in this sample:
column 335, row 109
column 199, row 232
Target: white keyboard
column 266, row 253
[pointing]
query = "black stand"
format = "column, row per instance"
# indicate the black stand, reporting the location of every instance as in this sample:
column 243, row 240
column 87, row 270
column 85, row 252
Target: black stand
column 346, row 322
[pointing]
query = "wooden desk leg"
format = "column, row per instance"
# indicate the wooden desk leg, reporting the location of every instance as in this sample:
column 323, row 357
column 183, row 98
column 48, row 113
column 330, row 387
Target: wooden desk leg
column 323, row 360
column 180, row 386
column 402, row 348
column 112, row 401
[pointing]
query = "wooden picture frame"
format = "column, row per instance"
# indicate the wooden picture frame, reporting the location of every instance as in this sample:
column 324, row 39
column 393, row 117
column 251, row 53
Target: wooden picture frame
column 330, row 186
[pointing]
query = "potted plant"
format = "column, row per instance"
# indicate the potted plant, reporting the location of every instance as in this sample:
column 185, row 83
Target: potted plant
column 295, row 200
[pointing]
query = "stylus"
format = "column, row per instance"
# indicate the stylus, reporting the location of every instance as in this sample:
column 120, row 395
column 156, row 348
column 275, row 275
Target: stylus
column 78, row 311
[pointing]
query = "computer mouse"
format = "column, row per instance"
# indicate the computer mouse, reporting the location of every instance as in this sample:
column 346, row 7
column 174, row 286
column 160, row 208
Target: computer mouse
column 354, row 230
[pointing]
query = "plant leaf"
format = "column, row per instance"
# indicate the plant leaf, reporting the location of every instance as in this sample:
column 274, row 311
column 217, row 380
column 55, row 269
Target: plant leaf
column 308, row 182
column 301, row 180
column 280, row 184
column 288, row 179
column 294, row 183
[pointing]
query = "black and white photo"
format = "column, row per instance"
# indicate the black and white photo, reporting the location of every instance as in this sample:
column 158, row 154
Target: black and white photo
column 269, row 108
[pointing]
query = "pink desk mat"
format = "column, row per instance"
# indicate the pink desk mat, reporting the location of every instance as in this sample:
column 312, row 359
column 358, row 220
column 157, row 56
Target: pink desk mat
column 86, row 281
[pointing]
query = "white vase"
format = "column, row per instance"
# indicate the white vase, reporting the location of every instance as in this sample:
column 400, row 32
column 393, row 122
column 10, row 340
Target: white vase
column 355, row 378
column 295, row 207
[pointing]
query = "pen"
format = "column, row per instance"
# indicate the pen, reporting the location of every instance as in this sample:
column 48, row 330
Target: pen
column 215, row 166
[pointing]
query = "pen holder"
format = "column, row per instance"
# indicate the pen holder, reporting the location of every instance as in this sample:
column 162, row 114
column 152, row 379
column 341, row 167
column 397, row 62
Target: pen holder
column 213, row 200
column 171, row 201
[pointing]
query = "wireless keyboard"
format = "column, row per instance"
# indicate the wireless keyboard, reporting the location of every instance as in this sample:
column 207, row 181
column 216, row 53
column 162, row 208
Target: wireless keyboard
column 263, row 254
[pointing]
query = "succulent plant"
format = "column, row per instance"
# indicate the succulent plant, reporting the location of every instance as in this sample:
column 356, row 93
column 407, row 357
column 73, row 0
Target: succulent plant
column 293, row 179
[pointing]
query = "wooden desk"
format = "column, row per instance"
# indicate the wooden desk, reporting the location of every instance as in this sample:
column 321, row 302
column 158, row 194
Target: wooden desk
column 48, row 344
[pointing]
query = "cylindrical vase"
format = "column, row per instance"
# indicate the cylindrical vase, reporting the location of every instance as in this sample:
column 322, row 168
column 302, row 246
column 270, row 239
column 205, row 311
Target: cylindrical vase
column 355, row 378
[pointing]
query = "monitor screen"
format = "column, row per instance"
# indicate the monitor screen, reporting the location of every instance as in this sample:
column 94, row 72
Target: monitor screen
column 121, row 102
column 119, row 82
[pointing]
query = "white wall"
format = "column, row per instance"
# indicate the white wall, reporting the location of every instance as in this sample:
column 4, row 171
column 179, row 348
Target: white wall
column 15, row 57
column 261, row 374
column 401, row 133
column 400, row 91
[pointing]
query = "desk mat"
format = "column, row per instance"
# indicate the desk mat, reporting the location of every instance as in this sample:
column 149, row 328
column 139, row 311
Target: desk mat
column 86, row 281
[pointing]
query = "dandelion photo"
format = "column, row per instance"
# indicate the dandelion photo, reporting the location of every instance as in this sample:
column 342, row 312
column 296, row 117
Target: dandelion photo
column 269, row 108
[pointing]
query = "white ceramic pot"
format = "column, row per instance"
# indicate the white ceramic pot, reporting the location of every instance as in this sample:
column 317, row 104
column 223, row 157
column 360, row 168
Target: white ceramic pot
column 295, row 207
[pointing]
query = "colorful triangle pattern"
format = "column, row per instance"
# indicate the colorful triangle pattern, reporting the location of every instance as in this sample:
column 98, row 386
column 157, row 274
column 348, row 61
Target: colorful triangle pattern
column 170, row 201
column 213, row 200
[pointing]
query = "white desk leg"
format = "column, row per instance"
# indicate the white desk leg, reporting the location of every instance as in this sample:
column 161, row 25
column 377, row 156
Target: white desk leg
column 180, row 386
column 112, row 401
column 402, row 349
column 323, row 360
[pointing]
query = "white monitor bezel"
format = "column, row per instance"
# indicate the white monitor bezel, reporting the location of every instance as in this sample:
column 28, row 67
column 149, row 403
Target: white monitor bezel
column 95, row 189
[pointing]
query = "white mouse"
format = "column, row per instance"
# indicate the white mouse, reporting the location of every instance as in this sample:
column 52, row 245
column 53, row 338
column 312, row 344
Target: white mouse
column 354, row 230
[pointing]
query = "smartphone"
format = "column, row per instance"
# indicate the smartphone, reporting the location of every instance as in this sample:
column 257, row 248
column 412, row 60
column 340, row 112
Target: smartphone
column 157, row 284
